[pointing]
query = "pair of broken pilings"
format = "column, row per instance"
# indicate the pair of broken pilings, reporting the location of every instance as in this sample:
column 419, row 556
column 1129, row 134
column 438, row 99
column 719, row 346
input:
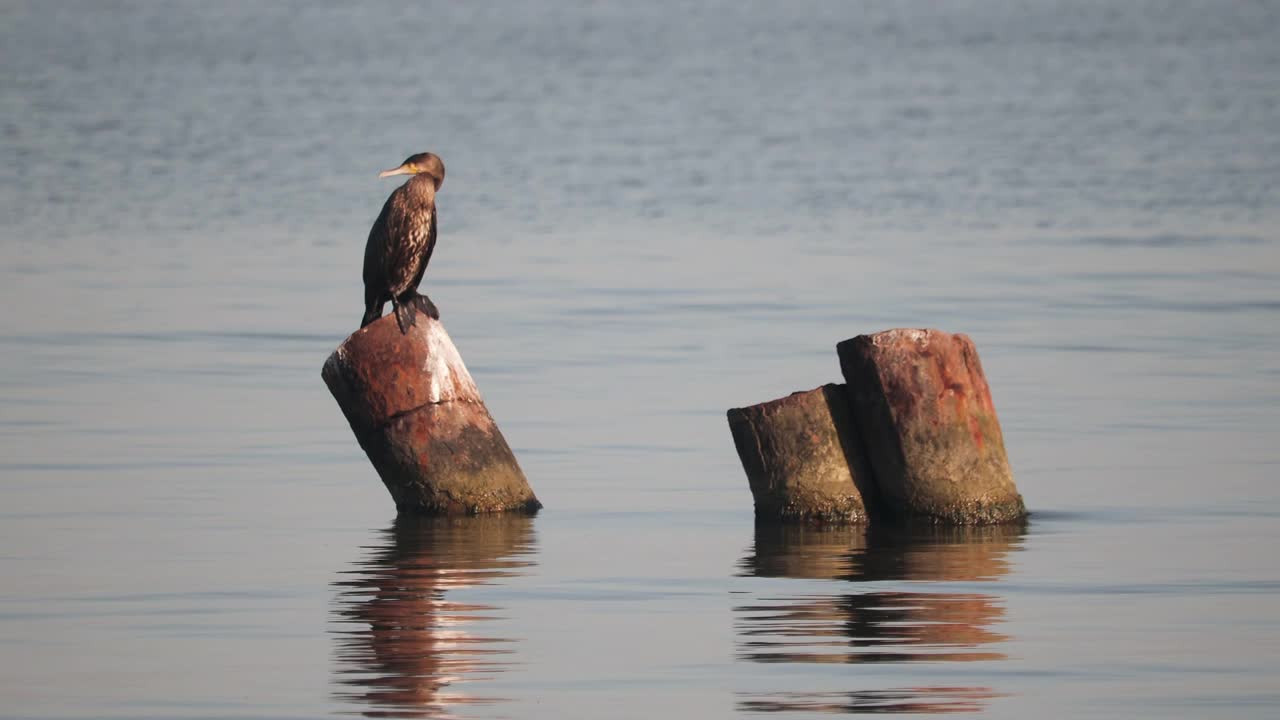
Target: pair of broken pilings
column 419, row 417
column 911, row 435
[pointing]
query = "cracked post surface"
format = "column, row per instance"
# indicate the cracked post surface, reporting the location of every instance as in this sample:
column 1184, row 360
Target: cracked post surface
column 418, row 415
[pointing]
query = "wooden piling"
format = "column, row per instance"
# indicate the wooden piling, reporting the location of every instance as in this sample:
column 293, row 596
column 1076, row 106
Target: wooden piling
column 924, row 410
column 802, row 457
column 419, row 417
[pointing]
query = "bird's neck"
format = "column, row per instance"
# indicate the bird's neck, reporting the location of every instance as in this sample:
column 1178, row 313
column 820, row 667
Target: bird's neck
column 423, row 186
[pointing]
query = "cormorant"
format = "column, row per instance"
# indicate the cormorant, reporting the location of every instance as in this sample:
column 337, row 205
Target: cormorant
column 401, row 241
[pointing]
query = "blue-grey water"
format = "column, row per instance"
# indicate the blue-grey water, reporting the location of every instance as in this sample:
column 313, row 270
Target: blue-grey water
column 654, row 212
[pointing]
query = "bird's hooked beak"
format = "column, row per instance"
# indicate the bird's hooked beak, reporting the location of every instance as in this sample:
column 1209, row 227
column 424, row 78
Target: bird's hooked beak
column 402, row 170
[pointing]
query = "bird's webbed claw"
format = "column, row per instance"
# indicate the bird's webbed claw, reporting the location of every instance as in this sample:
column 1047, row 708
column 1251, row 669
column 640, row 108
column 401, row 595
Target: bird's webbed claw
column 425, row 305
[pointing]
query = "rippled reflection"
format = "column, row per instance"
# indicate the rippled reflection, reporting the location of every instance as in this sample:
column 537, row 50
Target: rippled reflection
column 928, row 700
column 853, row 625
column 403, row 648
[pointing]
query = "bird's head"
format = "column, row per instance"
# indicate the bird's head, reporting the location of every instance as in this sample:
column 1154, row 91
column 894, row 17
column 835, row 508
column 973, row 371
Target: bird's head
column 421, row 164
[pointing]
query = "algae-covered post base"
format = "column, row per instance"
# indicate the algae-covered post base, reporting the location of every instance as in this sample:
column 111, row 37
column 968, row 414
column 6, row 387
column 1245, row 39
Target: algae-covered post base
column 802, row 458
column 417, row 414
column 924, row 410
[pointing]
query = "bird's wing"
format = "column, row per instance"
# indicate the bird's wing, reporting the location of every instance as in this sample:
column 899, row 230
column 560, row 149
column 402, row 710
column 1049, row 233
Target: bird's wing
column 375, row 248
column 431, row 240
column 426, row 254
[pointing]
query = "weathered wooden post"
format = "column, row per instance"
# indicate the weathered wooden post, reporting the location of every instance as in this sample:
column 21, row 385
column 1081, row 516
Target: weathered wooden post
column 924, row 410
column 802, row 457
column 418, row 415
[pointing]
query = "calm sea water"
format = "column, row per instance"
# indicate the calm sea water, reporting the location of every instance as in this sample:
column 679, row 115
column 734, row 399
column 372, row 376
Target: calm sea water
column 654, row 212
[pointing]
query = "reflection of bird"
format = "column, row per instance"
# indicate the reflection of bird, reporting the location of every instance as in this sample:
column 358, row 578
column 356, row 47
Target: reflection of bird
column 401, row 241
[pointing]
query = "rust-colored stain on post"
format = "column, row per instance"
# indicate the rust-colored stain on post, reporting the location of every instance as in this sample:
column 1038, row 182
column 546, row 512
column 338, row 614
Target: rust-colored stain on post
column 419, row 417
column 924, row 409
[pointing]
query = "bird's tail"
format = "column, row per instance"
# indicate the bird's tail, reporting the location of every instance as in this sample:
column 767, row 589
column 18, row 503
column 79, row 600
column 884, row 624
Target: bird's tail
column 405, row 315
column 372, row 306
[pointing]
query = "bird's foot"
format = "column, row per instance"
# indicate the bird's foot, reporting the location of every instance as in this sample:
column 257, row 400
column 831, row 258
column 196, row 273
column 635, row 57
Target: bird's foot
column 425, row 305
column 404, row 316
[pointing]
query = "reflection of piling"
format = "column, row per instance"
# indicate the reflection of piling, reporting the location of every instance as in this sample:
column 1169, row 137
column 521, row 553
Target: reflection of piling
column 883, row 552
column 801, row 458
column 939, row 553
column 418, row 415
column 804, row 551
column 873, row 627
column 915, row 700
column 853, row 626
column 850, row 623
column 402, row 646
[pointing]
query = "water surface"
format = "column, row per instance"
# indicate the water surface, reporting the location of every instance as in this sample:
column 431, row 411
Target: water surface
column 653, row 213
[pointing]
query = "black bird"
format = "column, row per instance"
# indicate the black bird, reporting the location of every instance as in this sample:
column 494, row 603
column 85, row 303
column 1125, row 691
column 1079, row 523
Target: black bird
column 401, row 241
